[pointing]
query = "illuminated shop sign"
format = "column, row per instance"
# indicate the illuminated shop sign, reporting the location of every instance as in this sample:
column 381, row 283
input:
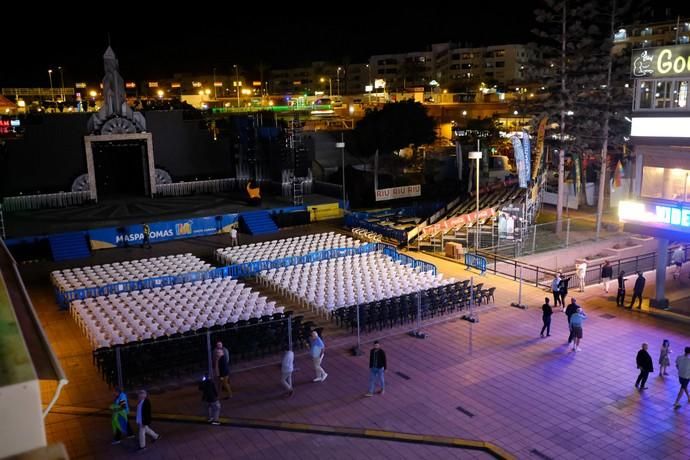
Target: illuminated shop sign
column 667, row 61
column 649, row 213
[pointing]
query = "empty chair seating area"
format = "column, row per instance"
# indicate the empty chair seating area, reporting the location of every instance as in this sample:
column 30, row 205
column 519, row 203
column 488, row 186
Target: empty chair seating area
column 134, row 316
column 132, row 270
column 330, row 284
column 289, row 247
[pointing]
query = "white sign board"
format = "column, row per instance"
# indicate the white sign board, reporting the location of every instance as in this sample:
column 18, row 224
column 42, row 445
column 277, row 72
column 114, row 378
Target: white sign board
column 407, row 191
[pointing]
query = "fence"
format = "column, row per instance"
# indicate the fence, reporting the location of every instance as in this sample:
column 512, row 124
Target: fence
column 45, row 200
column 201, row 186
column 237, row 271
column 167, row 359
column 539, row 276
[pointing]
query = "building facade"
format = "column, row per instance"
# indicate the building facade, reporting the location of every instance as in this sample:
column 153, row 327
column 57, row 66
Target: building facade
column 660, row 132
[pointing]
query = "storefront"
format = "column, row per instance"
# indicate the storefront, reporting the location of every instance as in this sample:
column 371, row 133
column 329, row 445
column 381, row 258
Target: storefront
column 660, row 134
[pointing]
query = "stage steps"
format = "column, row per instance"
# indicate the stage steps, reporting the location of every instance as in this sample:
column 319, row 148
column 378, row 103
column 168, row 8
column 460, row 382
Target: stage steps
column 67, row 246
column 258, row 223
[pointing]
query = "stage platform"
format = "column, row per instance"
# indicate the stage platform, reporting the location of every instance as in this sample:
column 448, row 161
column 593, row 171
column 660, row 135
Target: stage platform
column 138, row 210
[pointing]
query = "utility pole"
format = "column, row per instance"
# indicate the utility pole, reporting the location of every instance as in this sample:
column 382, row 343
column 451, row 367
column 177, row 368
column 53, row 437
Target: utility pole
column 561, row 151
column 62, row 85
column 237, row 84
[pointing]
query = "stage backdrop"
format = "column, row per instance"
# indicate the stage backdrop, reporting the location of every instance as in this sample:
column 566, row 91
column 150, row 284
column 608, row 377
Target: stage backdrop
column 103, row 238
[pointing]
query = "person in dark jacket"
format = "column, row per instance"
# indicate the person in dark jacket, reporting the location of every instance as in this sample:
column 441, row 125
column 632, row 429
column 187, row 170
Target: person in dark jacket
column 547, row 311
column 620, row 295
column 209, row 395
column 147, row 237
column 144, row 420
column 637, row 290
column 564, row 289
column 606, row 275
column 377, row 366
column 645, row 365
column 570, row 310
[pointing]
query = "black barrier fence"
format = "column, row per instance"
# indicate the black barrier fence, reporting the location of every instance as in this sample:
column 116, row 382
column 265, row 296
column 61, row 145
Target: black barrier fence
column 190, row 354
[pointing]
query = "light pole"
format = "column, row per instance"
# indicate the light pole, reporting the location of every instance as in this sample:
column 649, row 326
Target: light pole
column 215, row 88
column 341, row 146
column 50, row 77
column 62, row 85
column 337, row 79
column 237, row 84
column 370, row 87
column 476, row 156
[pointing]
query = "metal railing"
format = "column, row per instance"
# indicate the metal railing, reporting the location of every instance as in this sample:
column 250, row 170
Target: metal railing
column 201, row 186
column 45, row 200
column 539, row 276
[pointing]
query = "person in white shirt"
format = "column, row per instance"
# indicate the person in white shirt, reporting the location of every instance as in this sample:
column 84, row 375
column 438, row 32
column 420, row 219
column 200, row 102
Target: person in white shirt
column 287, row 367
column 581, row 274
column 144, row 420
column 683, row 366
column 233, row 237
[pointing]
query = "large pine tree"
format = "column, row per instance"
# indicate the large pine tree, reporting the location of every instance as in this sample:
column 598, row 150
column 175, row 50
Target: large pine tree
column 586, row 86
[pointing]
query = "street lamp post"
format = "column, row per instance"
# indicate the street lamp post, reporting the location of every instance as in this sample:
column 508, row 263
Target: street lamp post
column 370, row 87
column 62, row 85
column 237, row 84
column 476, row 156
column 50, row 77
column 337, row 79
column 341, row 146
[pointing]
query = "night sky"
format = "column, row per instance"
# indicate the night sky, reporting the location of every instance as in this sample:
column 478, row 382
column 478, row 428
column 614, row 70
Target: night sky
column 202, row 40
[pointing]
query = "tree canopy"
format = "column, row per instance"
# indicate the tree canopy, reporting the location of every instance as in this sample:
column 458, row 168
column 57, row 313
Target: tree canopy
column 393, row 127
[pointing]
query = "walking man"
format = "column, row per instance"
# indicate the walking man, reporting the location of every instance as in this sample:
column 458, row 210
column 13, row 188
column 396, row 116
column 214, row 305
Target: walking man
column 645, row 365
column 377, row 368
column 606, row 275
column 563, row 290
column 576, row 327
column 144, row 420
column 221, row 367
column 147, row 237
column 569, row 312
column 620, row 295
column 683, row 365
column 637, row 290
column 209, row 395
column 317, row 351
column 678, row 257
column 287, row 367
column 546, row 318
column 556, row 290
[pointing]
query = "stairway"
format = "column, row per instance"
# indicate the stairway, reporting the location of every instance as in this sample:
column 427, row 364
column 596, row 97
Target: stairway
column 67, row 246
column 258, row 223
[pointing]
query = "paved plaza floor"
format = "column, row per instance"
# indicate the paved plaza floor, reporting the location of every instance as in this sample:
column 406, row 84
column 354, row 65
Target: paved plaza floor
column 495, row 381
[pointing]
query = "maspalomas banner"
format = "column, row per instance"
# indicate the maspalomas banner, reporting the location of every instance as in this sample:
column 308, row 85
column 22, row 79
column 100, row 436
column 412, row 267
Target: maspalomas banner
column 103, row 238
column 407, row 191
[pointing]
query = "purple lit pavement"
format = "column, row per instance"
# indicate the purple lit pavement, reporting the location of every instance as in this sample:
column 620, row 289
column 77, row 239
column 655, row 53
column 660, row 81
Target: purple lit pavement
column 530, row 396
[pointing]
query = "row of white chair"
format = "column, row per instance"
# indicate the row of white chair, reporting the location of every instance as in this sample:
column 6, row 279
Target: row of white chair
column 134, row 316
column 330, row 284
column 134, row 270
column 277, row 249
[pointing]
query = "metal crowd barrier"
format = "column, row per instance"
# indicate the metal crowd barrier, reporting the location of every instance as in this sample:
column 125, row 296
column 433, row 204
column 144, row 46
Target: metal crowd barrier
column 201, row 186
column 239, row 271
column 45, row 200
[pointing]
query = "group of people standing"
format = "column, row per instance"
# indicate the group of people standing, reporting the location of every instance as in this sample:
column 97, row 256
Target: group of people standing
column 646, row 366
column 575, row 316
